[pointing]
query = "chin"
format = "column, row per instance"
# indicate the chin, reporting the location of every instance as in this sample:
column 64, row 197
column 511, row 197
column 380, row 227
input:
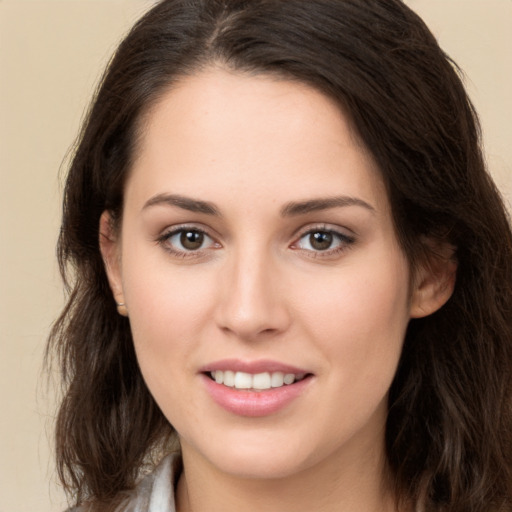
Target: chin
column 261, row 456
column 261, row 466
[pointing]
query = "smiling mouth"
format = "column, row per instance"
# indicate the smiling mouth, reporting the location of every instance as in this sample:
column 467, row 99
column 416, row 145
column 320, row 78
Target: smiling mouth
column 255, row 382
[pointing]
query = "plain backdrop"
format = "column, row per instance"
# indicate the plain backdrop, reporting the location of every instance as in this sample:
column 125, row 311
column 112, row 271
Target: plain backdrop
column 51, row 55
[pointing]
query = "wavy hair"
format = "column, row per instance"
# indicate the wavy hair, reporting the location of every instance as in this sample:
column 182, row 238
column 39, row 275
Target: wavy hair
column 449, row 427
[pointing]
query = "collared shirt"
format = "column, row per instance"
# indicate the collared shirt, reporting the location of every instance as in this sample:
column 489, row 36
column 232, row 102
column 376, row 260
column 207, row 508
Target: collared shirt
column 154, row 493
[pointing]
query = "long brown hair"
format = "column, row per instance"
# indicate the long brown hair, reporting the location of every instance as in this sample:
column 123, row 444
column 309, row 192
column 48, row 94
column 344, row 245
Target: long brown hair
column 449, row 428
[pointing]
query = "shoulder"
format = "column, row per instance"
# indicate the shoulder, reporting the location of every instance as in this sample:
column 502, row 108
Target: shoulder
column 154, row 493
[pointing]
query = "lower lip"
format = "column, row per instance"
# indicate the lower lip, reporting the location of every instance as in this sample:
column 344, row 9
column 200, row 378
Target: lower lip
column 254, row 403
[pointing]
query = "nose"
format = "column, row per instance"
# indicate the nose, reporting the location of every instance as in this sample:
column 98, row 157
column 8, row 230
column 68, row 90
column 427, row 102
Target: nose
column 251, row 303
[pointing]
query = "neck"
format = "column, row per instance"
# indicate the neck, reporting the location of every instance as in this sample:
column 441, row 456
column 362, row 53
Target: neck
column 357, row 485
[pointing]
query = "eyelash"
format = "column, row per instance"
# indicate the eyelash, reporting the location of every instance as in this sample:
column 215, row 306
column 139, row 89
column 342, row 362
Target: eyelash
column 164, row 239
column 344, row 242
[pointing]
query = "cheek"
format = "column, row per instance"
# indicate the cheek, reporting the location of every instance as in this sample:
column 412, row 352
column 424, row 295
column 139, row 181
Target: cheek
column 168, row 306
column 359, row 318
column 168, row 312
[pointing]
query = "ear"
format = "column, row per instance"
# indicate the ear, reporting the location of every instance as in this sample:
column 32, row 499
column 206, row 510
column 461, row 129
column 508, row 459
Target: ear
column 434, row 279
column 111, row 251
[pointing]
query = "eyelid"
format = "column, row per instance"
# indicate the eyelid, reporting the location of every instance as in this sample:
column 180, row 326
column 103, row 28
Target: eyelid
column 191, row 226
column 322, row 226
column 171, row 231
column 345, row 240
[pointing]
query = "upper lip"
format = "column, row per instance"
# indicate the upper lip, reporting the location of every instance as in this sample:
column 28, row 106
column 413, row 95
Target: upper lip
column 253, row 367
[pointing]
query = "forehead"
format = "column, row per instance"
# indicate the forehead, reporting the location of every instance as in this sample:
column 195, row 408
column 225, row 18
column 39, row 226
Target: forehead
column 221, row 133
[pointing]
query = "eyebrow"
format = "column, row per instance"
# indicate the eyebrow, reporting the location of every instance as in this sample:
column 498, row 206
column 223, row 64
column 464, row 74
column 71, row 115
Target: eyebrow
column 314, row 205
column 185, row 203
column 291, row 209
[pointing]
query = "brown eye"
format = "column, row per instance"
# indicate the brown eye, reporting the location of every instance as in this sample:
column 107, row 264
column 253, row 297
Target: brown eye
column 320, row 240
column 187, row 242
column 327, row 241
column 191, row 240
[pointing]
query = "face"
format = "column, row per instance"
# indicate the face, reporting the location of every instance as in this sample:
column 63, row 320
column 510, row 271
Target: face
column 266, row 291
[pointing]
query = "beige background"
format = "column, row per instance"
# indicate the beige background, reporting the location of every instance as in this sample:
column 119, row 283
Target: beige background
column 50, row 55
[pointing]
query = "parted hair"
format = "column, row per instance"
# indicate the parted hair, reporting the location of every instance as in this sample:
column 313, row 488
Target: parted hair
column 449, row 426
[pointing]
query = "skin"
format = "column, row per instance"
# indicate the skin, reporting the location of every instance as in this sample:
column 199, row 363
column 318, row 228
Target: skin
column 258, row 289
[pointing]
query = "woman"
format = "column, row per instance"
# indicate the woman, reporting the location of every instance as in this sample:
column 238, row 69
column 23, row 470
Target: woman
column 291, row 269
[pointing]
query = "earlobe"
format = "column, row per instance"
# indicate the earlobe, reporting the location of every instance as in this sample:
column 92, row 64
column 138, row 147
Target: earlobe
column 434, row 281
column 110, row 252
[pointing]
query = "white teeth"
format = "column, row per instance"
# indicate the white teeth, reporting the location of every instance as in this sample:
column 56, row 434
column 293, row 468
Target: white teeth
column 289, row 378
column 243, row 380
column 259, row 381
column 277, row 379
column 229, row 378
